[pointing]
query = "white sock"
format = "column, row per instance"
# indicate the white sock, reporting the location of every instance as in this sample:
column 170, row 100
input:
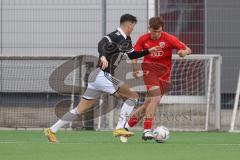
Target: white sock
column 127, row 126
column 124, row 114
column 61, row 122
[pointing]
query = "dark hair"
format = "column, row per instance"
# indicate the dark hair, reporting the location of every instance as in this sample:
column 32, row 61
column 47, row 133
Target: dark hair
column 156, row 22
column 128, row 18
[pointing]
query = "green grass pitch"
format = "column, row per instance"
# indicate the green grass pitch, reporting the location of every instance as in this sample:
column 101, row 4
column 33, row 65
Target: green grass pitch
column 92, row 145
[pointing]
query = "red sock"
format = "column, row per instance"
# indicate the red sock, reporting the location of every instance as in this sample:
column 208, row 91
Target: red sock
column 148, row 123
column 133, row 121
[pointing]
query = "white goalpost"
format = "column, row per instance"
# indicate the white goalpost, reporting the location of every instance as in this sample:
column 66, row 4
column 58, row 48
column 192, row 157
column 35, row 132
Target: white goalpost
column 234, row 127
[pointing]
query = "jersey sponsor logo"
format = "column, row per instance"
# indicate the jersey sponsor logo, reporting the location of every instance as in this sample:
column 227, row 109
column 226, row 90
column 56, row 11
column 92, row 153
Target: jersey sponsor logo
column 125, row 46
column 160, row 51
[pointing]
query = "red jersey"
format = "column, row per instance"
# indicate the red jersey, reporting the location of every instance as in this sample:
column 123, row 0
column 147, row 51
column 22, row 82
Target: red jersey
column 167, row 42
column 157, row 69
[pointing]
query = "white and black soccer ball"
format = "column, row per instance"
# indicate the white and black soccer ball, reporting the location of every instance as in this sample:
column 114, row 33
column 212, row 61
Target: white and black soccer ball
column 161, row 134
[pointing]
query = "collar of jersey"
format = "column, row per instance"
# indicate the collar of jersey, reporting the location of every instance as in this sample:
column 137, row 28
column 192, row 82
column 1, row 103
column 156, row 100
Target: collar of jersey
column 122, row 33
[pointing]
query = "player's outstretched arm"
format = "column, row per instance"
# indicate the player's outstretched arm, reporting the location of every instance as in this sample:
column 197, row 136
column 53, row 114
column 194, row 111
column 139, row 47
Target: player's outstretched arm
column 138, row 54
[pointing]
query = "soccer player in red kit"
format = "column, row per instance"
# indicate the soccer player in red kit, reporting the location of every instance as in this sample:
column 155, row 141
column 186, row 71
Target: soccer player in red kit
column 156, row 69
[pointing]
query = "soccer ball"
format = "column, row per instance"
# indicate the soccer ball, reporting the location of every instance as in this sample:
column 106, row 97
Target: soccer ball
column 161, row 134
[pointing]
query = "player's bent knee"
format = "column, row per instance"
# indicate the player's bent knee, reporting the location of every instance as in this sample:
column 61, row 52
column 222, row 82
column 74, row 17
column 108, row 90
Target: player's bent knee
column 134, row 95
column 154, row 92
column 155, row 100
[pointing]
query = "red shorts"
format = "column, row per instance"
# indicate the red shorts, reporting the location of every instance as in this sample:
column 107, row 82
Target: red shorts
column 156, row 74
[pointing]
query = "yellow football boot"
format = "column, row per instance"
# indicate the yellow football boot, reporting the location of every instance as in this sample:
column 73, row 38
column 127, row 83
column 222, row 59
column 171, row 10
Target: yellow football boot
column 50, row 135
column 122, row 132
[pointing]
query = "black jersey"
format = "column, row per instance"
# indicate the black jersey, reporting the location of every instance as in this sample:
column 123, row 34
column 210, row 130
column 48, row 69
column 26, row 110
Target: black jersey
column 114, row 46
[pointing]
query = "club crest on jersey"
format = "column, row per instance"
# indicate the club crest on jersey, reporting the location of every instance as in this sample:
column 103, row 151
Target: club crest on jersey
column 162, row 44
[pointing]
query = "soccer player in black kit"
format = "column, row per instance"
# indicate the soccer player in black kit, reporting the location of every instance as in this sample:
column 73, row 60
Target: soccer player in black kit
column 111, row 50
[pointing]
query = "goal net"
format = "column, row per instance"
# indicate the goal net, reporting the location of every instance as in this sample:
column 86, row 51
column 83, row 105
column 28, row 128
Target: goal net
column 193, row 101
column 235, row 122
column 36, row 91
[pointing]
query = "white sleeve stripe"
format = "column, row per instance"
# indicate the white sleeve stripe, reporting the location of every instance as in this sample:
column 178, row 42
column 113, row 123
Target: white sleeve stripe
column 109, row 39
column 130, row 51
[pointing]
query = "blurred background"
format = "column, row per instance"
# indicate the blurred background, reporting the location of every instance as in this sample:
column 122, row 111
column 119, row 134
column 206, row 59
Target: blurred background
column 40, row 30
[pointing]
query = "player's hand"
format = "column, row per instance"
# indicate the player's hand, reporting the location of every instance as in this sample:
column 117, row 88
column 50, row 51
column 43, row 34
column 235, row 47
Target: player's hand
column 103, row 62
column 181, row 53
column 154, row 50
column 135, row 72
